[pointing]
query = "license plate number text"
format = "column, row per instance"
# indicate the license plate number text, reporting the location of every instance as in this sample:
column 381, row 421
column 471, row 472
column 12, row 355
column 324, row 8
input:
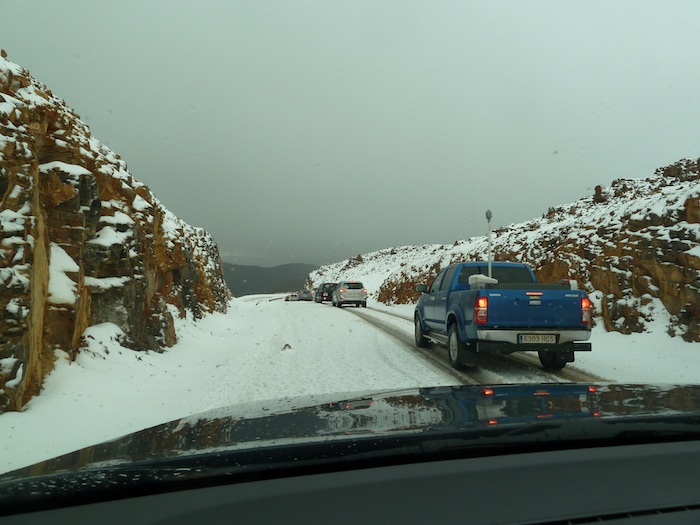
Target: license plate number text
column 533, row 339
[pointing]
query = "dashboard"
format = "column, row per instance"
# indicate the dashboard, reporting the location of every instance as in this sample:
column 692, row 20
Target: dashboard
column 630, row 484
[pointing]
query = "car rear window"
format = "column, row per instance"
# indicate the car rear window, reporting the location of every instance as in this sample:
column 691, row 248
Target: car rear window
column 355, row 286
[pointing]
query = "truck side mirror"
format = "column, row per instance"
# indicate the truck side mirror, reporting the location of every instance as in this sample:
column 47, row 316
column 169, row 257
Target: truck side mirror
column 421, row 288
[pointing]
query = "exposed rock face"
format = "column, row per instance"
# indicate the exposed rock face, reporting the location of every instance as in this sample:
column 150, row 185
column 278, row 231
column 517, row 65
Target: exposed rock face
column 642, row 249
column 82, row 243
column 635, row 247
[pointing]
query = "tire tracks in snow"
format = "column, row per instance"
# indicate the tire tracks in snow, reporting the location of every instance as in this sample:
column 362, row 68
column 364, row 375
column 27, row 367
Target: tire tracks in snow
column 407, row 341
column 512, row 368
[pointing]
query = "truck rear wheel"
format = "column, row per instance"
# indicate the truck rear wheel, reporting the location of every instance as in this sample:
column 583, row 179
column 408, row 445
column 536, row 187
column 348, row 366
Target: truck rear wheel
column 551, row 360
column 455, row 348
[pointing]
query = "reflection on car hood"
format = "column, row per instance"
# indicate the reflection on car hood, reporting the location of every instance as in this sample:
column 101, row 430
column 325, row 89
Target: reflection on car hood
column 426, row 418
column 425, row 410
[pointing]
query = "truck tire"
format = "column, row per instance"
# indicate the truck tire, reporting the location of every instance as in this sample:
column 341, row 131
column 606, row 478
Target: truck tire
column 421, row 340
column 455, row 348
column 551, row 361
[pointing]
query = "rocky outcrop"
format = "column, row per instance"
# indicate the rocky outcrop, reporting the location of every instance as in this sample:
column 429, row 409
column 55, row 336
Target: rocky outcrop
column 635, row 247
column 82, row 242
column 640, row 257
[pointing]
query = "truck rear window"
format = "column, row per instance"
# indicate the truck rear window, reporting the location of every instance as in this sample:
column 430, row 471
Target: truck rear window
column 505, row 275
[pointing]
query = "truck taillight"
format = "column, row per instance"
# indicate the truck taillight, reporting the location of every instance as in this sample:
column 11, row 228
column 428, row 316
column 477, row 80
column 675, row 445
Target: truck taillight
column 481, row 310
column 585, row 310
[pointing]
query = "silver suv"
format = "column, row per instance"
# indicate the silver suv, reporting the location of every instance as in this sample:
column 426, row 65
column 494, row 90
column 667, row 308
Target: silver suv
column 349, row 292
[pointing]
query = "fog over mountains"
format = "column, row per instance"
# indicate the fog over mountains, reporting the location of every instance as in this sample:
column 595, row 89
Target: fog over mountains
column 249, row 280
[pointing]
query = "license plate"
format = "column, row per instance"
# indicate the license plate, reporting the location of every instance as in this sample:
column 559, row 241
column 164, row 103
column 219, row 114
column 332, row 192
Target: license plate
column 534, row 339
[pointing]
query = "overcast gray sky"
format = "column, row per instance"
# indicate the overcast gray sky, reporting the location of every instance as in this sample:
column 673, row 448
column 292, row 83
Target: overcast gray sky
column 311, row 131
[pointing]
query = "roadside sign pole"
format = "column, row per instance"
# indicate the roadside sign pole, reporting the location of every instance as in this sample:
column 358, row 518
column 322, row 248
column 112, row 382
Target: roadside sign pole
column 488, row 220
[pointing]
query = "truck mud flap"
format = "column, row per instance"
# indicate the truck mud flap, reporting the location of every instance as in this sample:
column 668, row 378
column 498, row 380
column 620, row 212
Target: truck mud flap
column 566, row 354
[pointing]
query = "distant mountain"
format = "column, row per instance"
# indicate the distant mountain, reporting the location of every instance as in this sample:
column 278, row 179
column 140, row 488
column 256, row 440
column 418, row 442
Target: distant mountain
column 248, row 280
column 634, row 247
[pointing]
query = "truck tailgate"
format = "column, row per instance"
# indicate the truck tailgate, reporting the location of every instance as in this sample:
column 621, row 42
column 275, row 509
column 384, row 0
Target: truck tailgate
column 546, row 309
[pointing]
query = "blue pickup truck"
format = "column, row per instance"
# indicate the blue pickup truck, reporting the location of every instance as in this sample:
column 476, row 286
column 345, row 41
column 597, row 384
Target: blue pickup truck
column 507, row 312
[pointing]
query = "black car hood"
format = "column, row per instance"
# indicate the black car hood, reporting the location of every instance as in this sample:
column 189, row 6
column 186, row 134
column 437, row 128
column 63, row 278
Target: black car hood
column 416, row 425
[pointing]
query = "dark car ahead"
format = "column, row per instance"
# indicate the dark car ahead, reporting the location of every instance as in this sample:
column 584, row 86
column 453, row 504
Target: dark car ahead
column 324, row 292
column 305, row 295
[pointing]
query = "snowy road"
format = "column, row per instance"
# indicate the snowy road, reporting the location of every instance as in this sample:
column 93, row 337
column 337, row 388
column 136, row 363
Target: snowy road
column 264, row 349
